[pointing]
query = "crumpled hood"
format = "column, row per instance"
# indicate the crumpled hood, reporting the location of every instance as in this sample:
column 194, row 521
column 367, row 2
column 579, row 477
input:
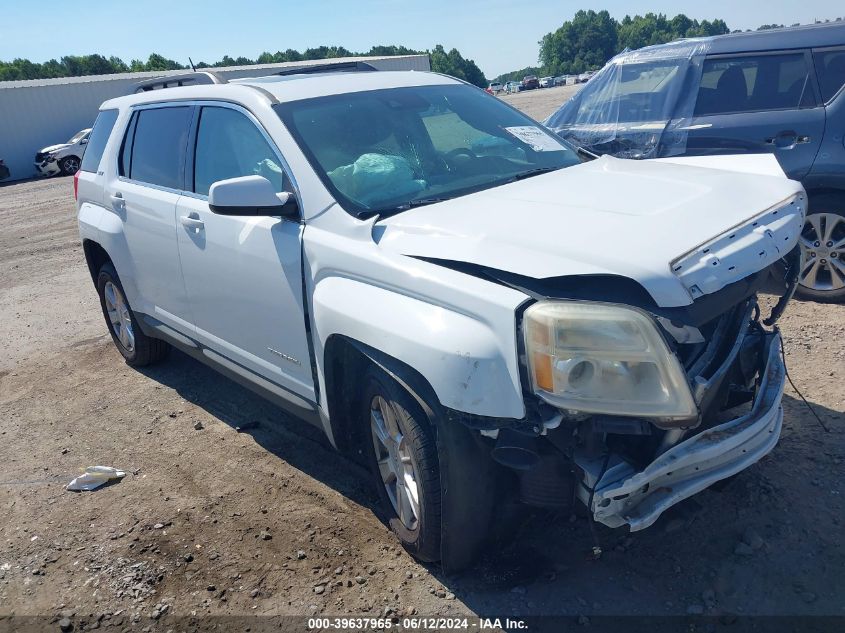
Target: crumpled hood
column 637, row 219
column 53, row 148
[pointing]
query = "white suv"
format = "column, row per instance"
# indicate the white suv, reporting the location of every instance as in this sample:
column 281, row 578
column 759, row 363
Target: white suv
column 448, row 290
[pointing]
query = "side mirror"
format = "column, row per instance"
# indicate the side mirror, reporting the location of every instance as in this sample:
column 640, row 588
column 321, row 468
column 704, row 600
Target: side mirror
column 251, row 196
column 84, row 141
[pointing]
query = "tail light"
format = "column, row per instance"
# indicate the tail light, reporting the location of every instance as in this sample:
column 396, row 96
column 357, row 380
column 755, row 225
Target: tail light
column 76, row 186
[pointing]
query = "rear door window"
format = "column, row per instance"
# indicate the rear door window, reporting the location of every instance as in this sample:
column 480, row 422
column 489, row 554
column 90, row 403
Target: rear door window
column 830, row 69
column 154, row 148
column 754, row 83
column 98, row 139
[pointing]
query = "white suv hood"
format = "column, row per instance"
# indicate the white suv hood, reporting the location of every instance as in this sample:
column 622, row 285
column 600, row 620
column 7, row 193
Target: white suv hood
column 637, row 219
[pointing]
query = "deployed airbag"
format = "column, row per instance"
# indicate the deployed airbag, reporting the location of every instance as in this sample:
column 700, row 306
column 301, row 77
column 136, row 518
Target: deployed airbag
column 376, row 177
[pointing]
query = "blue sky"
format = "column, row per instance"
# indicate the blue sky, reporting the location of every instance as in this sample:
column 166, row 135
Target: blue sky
column 500, row 35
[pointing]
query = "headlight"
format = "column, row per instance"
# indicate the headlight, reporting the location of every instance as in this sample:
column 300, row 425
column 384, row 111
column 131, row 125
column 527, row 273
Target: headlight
column 598, row 358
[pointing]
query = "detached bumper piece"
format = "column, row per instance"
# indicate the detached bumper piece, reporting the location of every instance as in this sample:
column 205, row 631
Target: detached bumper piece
column 624, row 496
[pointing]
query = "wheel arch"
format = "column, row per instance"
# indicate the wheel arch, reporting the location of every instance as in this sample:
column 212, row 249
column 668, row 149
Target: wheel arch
column 95, row 257
column 345, row 362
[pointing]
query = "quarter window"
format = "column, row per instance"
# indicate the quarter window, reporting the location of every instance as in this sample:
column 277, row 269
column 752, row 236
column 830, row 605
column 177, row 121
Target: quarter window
column 753, row 83
column 98, row 139
column 154, row 148
column 830, row 68
column 229, row 145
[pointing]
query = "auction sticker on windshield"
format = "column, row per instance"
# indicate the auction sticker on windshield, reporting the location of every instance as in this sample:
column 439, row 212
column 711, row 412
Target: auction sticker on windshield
column 536, row 138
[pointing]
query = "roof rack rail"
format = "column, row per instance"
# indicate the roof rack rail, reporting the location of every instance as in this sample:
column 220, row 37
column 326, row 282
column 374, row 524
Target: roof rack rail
column 184, row 79
column 343, row 67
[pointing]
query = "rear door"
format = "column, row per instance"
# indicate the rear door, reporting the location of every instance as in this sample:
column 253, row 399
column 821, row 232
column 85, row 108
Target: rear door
column 143, row 194
column 759, row 103
column 243, row 275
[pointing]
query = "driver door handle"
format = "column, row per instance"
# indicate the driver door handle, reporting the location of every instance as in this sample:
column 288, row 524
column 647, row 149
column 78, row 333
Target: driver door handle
column 192, row 222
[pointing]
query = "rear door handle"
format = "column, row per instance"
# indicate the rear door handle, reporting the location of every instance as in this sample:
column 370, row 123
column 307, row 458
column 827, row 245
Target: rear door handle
column 192, row 222
column 117, row 201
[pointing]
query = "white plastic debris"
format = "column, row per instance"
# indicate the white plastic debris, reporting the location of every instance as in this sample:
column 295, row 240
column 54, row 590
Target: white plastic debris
column 94, row 477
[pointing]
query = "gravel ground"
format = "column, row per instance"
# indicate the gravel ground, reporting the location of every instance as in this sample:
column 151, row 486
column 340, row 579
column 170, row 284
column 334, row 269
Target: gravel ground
column 210, row 520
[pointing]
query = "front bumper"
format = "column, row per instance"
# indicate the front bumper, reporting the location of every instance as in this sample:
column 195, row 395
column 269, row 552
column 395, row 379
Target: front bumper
column 624, row 496
column 48, row 167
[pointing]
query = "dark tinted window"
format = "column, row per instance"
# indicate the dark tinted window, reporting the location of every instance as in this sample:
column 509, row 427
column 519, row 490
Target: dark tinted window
column 158, row 148
column 754, row 83
column 229, row 145
column 830, row 68
column 125, row 159
column 98, row 139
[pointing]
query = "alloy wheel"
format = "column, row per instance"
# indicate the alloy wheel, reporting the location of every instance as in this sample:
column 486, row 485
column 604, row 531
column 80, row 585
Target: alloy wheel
column 823, row 244
column 71, row 165
column 119, row 316
column 395, row 464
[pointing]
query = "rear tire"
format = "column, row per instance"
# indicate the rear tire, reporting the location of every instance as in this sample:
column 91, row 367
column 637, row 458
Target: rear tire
column 137, row 348
column 822, row 241
column 405, row 445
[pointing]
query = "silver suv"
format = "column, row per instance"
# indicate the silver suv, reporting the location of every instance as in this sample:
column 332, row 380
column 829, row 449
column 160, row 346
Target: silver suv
column 391, row 257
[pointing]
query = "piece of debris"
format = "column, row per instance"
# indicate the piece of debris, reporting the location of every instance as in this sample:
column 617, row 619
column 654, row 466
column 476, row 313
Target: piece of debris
column 319, row 589
column 65, row 624
column 94, row 477
column 752, row 539
column 300, row 555
column 158, row 526
column 264, row 535
column 198, row 426
column 247, row 426
column 743, row 549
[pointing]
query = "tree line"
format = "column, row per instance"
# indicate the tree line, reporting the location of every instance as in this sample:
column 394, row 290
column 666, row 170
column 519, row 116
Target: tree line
column 590, row 38
column 448, row 62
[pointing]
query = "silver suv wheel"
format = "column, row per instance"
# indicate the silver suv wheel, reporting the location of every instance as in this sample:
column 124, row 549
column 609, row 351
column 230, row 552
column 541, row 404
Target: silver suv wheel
column 823, row 245
column 119, row 317
column 396, row 467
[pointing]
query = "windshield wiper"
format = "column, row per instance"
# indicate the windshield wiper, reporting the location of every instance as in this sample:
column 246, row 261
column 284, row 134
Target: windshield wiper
column 410, row 204
column 534, row 172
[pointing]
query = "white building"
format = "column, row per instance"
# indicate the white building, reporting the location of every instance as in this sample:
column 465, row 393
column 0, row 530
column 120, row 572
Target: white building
column 40, row 112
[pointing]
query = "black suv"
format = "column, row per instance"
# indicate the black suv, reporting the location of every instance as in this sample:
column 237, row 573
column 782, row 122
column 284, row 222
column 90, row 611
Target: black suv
column 778, row 91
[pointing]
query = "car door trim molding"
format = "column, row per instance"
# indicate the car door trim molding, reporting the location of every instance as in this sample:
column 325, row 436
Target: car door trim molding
column 280, row 395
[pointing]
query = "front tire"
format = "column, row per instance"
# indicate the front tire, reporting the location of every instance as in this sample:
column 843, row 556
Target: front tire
column 404, row 464
column 822, row 277
column 137, row 348
column 69, row 165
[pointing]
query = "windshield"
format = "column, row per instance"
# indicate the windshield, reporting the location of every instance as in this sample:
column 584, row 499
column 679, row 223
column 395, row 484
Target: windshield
column 384, row 151
column 79, row 136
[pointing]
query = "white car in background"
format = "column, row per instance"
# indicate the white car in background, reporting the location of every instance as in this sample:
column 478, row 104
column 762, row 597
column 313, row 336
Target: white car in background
column 63, row 158
column 458, row 298
column 547, row 82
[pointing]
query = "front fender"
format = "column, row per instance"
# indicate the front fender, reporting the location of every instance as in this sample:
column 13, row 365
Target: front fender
column 470, row 364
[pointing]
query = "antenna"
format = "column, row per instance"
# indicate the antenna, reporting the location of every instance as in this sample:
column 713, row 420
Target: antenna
column 191, row 62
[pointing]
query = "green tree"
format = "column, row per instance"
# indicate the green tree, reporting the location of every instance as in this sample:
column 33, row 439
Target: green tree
column 455, row 65
column 587, row 41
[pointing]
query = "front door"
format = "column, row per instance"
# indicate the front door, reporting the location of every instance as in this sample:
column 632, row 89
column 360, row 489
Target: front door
column 243, row 275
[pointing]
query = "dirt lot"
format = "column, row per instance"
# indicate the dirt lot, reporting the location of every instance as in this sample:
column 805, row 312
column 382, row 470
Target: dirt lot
column 272, row 521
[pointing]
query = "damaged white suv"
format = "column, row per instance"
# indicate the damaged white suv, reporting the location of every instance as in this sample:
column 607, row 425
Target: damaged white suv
column 449, row 291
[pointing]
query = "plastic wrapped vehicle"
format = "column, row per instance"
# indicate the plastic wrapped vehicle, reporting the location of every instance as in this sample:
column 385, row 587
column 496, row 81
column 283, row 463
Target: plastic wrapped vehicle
column 777, row 92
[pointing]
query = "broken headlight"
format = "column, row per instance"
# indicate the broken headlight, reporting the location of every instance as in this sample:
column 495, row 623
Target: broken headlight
column 597, row 358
